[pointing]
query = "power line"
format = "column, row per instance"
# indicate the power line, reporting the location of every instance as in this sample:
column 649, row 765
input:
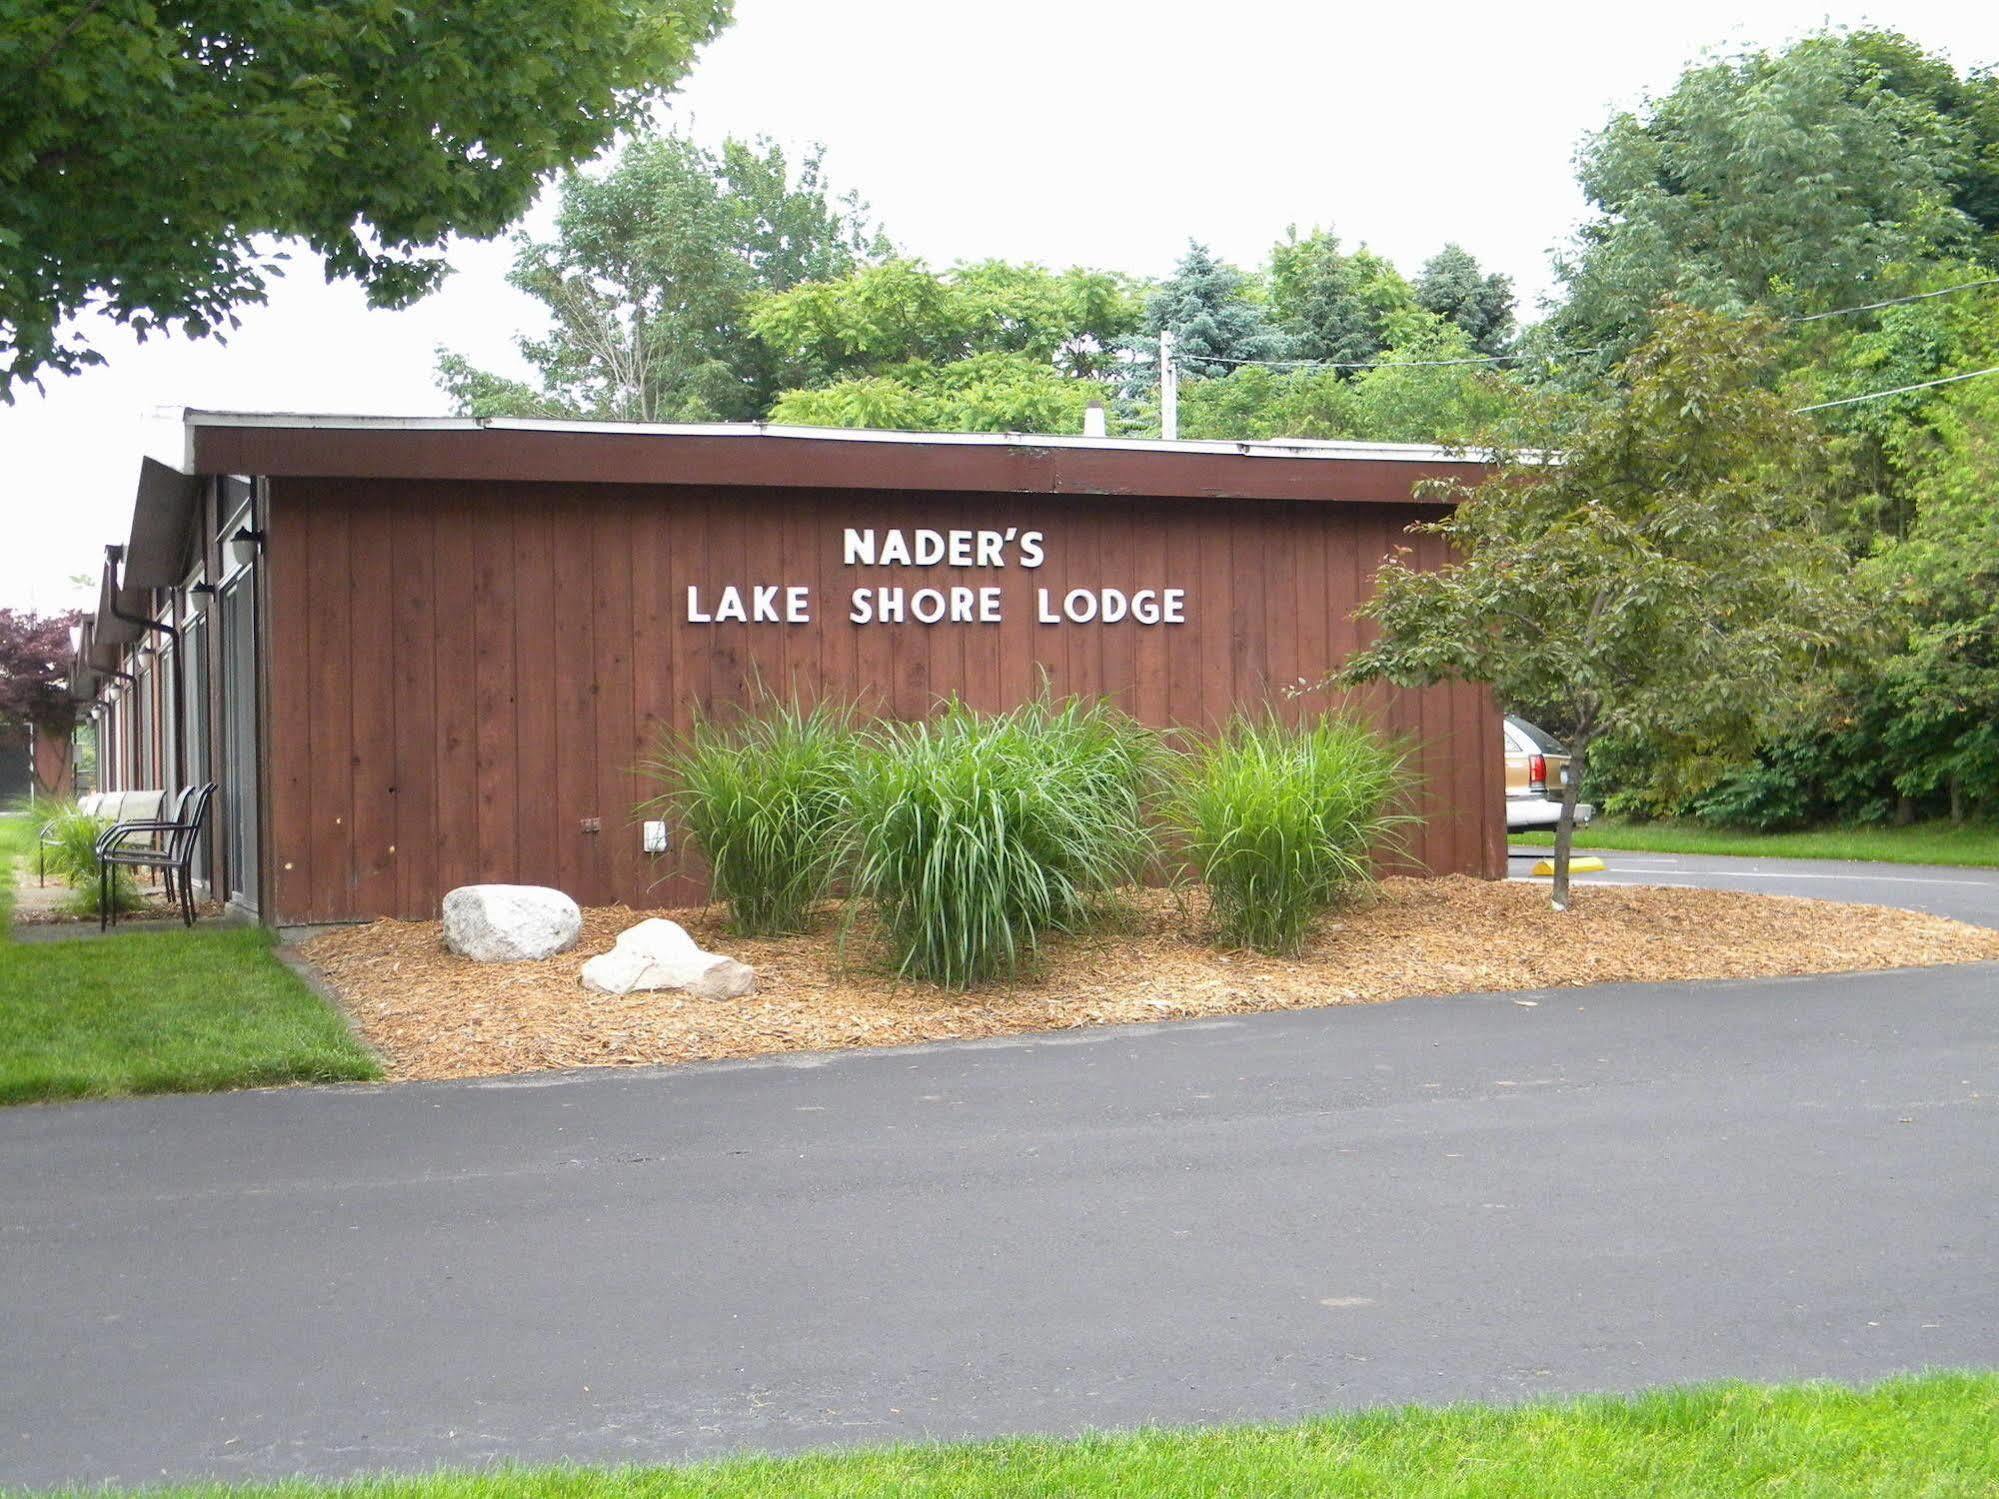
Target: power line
column 1377, row 364
column 1896, row 301
column 1875, row 395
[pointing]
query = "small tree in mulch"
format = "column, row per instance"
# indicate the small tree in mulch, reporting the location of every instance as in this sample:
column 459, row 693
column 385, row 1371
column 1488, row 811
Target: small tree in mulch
column 1671, row 573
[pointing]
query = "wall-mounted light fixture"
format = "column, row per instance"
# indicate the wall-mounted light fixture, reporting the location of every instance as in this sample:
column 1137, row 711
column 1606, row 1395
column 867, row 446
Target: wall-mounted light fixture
column 245, row 544
column 198, row 595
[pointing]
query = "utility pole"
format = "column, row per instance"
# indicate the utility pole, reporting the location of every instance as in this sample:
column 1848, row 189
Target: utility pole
column 1169, row 390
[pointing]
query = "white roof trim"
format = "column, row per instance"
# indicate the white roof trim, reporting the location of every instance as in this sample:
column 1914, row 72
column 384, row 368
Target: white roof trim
column 1299, row 447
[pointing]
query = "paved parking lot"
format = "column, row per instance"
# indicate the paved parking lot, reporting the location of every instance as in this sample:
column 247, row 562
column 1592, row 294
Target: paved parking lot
column 1487, row 1197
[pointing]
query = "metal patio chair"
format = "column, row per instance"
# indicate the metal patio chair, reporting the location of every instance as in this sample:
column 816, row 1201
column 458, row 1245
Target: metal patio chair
column 171, row 851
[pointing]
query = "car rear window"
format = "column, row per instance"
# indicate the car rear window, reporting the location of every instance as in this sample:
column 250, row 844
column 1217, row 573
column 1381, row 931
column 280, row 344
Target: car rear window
column 1547, row 744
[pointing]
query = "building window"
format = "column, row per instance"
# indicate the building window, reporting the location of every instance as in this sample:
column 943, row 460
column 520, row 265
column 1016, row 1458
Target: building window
column 146, row 767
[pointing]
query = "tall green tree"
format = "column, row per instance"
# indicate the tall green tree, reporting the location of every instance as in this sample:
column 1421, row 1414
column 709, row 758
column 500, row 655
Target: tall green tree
column 1209, row 307
column 1795, row 181
column 1968, row 103
column 1388, row 373
column 1941, row 685
column 986, row 392
column 884, row 316
column 1844, row 169
column 1670, row 572
column 1336, row 305
column 1415, row 394
column 649, row 280
column 985, row 347
column 1454, row 287
column 145, row 148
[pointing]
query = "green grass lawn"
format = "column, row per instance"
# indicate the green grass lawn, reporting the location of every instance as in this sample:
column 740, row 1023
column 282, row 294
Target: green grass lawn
column 1925, row 843
column 158, row 1012
column 17, row 837
column 1936, row 1436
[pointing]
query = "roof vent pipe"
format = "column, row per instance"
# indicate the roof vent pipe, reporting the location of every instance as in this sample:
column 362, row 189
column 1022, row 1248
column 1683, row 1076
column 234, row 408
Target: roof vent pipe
column 1093, row 419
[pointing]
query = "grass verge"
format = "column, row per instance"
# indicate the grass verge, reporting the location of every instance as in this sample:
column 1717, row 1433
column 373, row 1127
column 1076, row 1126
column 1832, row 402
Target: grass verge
column 158, row 1012
column 17, row 837
column 1936, row 1435
column 1973, row 844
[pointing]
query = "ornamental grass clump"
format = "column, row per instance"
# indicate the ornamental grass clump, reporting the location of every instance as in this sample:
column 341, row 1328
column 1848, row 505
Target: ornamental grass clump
column 974, row 835
column 1278, row 822
column 72, row 855
column 762, row 799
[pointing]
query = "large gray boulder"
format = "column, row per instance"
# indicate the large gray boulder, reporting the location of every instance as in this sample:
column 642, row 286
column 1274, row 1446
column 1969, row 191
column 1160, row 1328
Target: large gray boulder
column 658, row 954
column 510, row 923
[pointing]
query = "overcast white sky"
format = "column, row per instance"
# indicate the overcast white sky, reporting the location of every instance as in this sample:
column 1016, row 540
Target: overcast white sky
column 1064, row 131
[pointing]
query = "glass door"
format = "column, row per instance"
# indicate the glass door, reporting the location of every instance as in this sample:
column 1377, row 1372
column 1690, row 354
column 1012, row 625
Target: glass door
column 237, row 797
column 194, row 724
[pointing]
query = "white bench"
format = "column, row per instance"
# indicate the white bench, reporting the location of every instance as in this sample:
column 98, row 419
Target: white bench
column 122, row 806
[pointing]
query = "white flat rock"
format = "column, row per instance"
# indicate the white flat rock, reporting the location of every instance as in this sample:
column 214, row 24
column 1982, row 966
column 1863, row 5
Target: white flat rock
column 658, row 954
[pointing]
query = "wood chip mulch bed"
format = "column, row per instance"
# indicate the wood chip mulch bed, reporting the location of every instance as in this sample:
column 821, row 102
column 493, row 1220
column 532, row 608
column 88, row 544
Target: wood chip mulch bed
column 431, row 1014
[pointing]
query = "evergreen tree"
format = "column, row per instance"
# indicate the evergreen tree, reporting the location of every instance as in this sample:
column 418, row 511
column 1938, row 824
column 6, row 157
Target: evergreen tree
column 1345, row 308
column 1205, row 304
column 1482, row 306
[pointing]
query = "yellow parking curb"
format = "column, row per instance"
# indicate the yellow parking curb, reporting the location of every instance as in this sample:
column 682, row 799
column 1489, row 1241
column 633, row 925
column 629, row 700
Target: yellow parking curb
column 1588, row 865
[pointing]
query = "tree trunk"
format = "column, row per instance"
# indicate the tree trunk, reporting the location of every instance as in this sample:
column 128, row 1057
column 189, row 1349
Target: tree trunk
column 1905, row 811
column 1956, row 802
column 1565, row 825
column 54, row 761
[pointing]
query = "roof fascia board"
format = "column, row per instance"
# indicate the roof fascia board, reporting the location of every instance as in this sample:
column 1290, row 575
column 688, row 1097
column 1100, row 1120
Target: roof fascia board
column 1299, row 447
column 736, row 457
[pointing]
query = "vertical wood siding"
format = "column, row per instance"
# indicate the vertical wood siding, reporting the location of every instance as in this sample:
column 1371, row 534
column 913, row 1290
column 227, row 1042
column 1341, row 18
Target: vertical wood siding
column 463, row 674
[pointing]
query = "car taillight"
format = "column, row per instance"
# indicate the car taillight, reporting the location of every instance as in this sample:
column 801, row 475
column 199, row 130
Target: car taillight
column 1537, row 772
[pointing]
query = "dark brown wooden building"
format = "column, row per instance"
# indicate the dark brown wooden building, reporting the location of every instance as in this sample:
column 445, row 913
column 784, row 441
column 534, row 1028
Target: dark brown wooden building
column 419, row 654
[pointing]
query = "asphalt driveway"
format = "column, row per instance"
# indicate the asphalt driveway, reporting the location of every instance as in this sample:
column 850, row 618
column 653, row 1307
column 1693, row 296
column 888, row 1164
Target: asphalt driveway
column 1480, row 1197
column 1943, row 890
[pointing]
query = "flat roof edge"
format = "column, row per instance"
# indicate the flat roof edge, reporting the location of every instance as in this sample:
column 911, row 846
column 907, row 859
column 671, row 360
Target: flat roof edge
column 1320, row 449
